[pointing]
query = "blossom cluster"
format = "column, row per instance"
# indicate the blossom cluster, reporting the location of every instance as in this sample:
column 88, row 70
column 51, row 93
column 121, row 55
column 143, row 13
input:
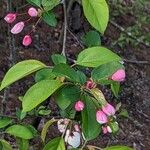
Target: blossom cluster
column 18, row 27
column 105, row 114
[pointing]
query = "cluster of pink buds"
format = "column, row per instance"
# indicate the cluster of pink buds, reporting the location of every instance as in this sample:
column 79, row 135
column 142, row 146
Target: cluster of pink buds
column 18, row 27
column 119, row 75
column 79, row 106
column 102, row 117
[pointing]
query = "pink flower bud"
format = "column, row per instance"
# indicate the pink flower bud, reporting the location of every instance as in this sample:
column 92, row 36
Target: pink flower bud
column 119, row 75
column 27, row 40
column 108, row 109
column 90, row 84
column 101, row 117
column 79, row 106
column 32, row 12
column 17, row 28
column 11, row 17
column 104, row 129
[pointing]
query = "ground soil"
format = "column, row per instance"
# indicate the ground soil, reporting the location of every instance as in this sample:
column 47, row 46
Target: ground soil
column 135, row 96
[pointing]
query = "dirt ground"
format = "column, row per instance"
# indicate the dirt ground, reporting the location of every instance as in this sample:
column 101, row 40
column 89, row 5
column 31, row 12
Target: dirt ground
column 135, row 93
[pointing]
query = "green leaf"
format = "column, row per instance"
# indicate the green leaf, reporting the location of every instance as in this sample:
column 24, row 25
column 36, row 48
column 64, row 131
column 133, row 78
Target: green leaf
column 90, row 127
column 81, row 77
column 55, row 144
column 96, row 56
column 64, row 70
column 23, row 144
column 44, row 112
column 97, row 13
column 69, row 112
column 105, row 71
column 118, row 147
column 20, row 98
column 20, row 115
column 92, row 38
column 115, row 87
column 57, row 59
column 20, row 131
column 114, row 126
column 99, row 96
column 49, row 4
column 67, row 95
column 35, row 2
column 44, row 74
column 33, row 130
column 39, row 93
column 5, row 145
column 124, row 113
column 45, row 128
column 21, row 70
column 5, row 122
column 49, row 18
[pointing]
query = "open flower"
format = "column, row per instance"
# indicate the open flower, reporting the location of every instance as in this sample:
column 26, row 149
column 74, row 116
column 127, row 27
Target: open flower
column 79, row 106
column 108, row 109
column 104, row 129
column 32, row 12
column 119, row 75
column 17, row 28
column 61, row 124
column 27, row 40
column 73, row 139
column 101, row 117
column 11, row 17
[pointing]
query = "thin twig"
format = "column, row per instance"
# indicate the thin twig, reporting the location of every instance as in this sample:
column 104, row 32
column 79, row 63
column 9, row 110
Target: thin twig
column 70, row 3
column 71, row 60
column 12, row 117
column 84, row 144
column 76, row 38
column 128, row 33
column 22, row 6
column 137, row 62
column 95, row 147
column 65, row 28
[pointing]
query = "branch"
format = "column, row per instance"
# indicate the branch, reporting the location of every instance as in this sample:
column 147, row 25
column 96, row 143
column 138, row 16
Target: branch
column 65, row 28
column 76, row 38
column 137, row 62
column 70, row 6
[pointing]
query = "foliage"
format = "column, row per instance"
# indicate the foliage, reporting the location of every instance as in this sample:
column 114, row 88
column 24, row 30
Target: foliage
column 67, row 84
column 139, row 20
